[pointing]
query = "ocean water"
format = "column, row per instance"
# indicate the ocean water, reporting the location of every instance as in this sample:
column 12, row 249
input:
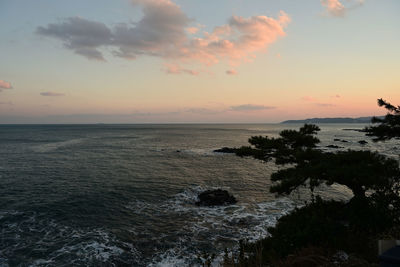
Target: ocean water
column 111, row 195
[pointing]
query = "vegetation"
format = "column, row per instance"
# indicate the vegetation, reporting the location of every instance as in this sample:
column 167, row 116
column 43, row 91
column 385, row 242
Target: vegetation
column 360, row 171
column 313, row 235
column 389, row 126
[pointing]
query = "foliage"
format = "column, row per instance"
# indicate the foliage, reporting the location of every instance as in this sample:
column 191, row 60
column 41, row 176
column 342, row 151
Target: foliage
column 283, row 149
column 329, row 225
column 389, row 126
column 358, row 170
column 311, row 235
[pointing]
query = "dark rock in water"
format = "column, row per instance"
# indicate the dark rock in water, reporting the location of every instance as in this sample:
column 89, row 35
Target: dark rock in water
column 226, row 150
column 336, row 140
column 178, row 151
column 344, row 141
column 215, row 198
column 362, row 142
column 334, row 146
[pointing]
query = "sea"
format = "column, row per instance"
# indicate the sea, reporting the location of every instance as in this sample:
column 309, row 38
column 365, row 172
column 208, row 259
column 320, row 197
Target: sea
column 124, row 195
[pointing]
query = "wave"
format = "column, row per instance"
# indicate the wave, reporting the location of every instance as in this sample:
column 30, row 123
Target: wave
column 210, row 229
column 49, row 147
column 29, row 238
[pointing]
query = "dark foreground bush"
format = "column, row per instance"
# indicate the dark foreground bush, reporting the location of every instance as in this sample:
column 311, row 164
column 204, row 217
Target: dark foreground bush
column 330, row 226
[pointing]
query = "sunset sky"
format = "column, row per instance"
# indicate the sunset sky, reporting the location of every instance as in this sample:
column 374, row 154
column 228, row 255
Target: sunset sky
column 167, row 61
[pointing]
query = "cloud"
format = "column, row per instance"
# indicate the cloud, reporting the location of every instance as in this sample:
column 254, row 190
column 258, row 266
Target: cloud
column 231, row 72
column 82, row 36
column 192, row 30
column 250, row 107
column 51, row 94
column 313, row 101
column 334, row 7
column 325, row 105
column 176, row 69
column 9, row 103
column 204, row 111
column 164, row 31
column 337, row 9
column 236, row 41
column 5, row 85
column 160, row 32
column 308, row 98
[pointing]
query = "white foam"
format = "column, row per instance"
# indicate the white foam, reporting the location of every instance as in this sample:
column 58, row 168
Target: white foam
column 80, row 245
column 169, row 258
column 138, row 206
column 243, row 221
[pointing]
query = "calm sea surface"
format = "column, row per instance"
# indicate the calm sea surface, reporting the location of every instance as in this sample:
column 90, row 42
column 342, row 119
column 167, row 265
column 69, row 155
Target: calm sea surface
column 124, row 194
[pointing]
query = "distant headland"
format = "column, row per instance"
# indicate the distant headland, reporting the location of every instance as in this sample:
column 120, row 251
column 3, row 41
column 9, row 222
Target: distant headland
column 332, row 120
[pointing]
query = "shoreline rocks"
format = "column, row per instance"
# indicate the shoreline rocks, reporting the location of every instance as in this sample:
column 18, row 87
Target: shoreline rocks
column 334, row 146
column 217, row 197
column 340, row 140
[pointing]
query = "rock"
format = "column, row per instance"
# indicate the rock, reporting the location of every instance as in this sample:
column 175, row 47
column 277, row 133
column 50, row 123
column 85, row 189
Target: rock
column 362, row 142
column 215, row 197
column 356, row 130
column 340, row 140
column 333, row 146
column 225, row 150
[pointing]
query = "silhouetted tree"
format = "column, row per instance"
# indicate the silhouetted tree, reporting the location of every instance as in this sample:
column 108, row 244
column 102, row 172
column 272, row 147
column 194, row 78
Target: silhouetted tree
column 358, row 170
column 332, row 225
column 389, row 126
column 283, row 149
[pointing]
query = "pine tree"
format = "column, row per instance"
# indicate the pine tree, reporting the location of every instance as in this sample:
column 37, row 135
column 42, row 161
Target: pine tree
column 389, row 126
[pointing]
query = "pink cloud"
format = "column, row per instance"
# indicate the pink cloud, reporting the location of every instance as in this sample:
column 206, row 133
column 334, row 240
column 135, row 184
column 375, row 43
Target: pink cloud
column 164, row 31
column 325, row 105
column 334, row 7
column 236, row 41
column 231, row 72
column 5, row 85
column 176, row 69
column 192, row 30
column 337, row 9
column 51, row 94
column 308, row 98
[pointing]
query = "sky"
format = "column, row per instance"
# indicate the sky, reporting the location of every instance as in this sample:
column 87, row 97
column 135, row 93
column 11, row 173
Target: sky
column 190, row 61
